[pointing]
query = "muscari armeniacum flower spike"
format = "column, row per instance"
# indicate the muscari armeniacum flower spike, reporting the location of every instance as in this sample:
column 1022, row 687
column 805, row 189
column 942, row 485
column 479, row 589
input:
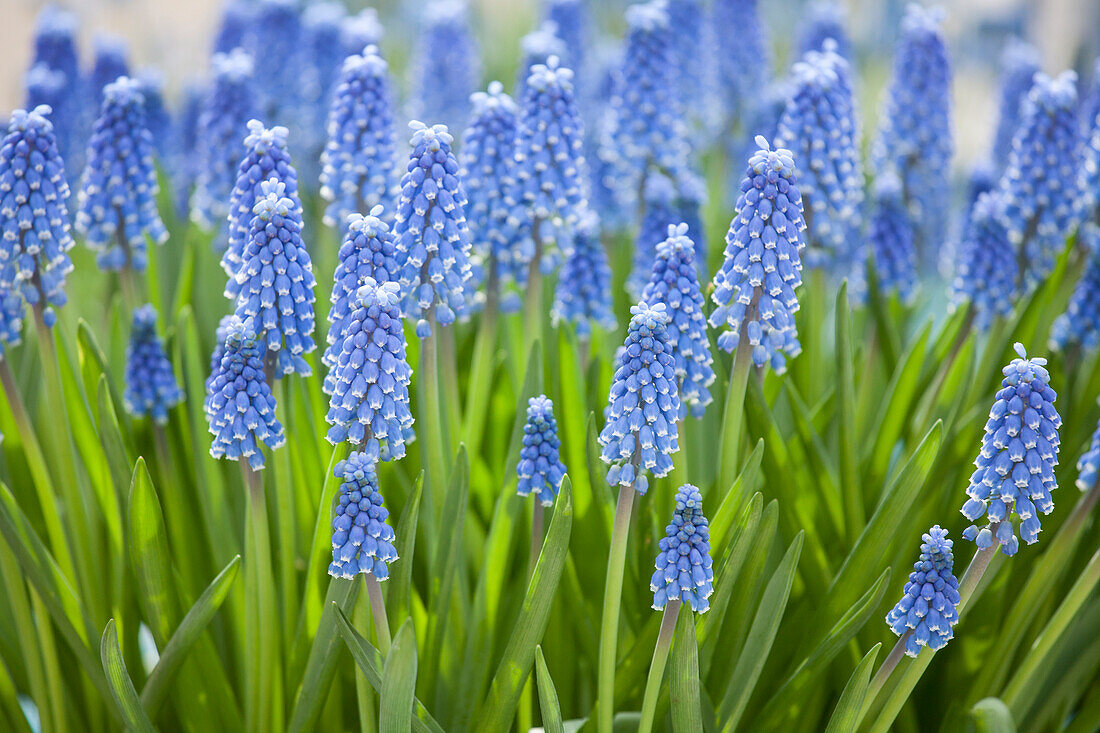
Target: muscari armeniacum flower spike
column 1088, row 175
column 683, row 565
column 275, row 281
column 229, row 105
column 1015, row 467
column 55, row 49
column 446, row 67
column 274, row 38
column 536, row 48
column 216, row 359
column 1079, row 326
column 573, row 26
column 241, row 408
column 321, row 28
column 151, row 387
column 362, row 541
column 370, row 400
column 980, row 180
column 357, row 165
column 182, row 164
column 742, row 67
column 368, row 251
column 112, row 60
column 540, row 470
column 754, row 287
column 432, row 237
column 488, row 176
column 675, row 283
column 1088, row 465
column 34, row 219
column 914, row 136
column 1090, row 99
column 691, row 33
column 986, row 274
column 666, row 203
column 1019, row 63
column 360, row 30
column 117, row 203
column 820, row 126
column 824, row 20
column 643, row 404
column 233, row 23
column 266, row 157
column 11, row 317
column 44, row 85
column 891, row 237
column 1041, row 200
column 583, row 293
column 928, row 608
column 157, row 119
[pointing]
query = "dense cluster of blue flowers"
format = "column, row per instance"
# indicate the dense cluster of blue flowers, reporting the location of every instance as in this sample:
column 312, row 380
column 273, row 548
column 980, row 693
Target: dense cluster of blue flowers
column 666, row 203
column 890, row 233
column 448, row 66
column 151, row 387
column 1019, row 64
column 1079, row 326
column 362, row 541
column 741, row 67
column 987, row 270
column 824, row 20
column 540, row 470
column 683, row 565
column 112, row 60
column 928, row 609
column 583, row 293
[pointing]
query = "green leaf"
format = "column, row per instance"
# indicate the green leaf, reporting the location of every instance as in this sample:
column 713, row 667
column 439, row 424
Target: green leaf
column 149, row 554
column 744, row 486
column 758, row 644
column 369, row 660
column 184, row 637
column 548, row 696
column 400, row 591
column 122, row 687
column 990, row 716
column 687, row 713
column 399, row 682
column 498, row 710
column 897, row 402
column 847, row 714
column 849, row 468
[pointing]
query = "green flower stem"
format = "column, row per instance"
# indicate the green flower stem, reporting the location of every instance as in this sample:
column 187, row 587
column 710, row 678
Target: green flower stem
column 179, row 518
column 612, row 598
column 264, row 704
column 657, row 666
column 432, row 425
column 733, row 416
column 378, row 614
column 532, row 303
column 449, row 394
column 1021, row 691
column 537, row 520
column 43, row 484
column 481, row 370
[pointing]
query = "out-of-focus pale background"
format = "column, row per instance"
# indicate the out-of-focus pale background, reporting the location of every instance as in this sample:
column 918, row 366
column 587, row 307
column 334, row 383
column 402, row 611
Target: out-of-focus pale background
column 175, row 35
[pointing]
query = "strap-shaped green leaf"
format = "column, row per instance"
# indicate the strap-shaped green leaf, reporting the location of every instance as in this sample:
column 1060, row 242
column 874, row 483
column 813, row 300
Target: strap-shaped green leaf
column 991, row 716
column 548, row 696
column 684, row 698
column 399, row 682
column 848, row 712
column 122, row 687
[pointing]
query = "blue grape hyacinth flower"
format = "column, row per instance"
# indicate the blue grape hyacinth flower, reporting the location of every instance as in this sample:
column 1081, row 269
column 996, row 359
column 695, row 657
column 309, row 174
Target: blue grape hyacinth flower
column 151, row 387
column 820, row 126
column 666, row 203
column 1019, row 63
column 368, row 251
column 754, row 288
column 446, row 66
column 493, row 212
column 583, row 292
column 1088, row 177
column 684, row 572
column 274, row 38
column 741, row 67
column 892, row 240
column 55, row 50
column 229, row 105
column 11, row 317
column 540, row 470
column 1079, row 326
column 112, row 60
column 1088, row 465
column 34, row 219
column 433, row 240
column 369, row 402
column 914, row 136
column 824, row 20
column 157, row 118
column 987, row 269
column 266, row 158
column 360, row 30
column 357, row 165
column 1041, row 200
column 216, row 359
column 675, row 283
column 573, row 26
column 117, row 202
column 241, row 409
column 362, row 541
column 928, row 609
column 643, row 405
column 45, row 86
column 1015, row 468
column 233, row 23
column 536, row 48
column 275, row 282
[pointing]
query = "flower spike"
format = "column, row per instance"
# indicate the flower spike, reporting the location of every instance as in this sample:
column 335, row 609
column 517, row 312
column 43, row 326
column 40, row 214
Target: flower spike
column 362, row 540
column 540, row 470
column 151, row 388
column 683, row 565
column 928, row 609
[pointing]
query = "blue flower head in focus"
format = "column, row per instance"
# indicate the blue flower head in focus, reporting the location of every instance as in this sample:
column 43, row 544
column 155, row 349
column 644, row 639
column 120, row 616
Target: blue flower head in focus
column 754, row 287
column 644, row 404
column 216, row 359
column 357, row 165
column 540, row 470
column 151, row 387
column 241, row 408
column 368, row 251
column 987, row 271
column 266, row 158
column 683, row 565
column 1019, row 63
column 825, row 20
column 222, row 124
column 117, row 203
column 1015, row 468
column 446, row 66
column 362, row 540
column 891, row 238
column 1041, row 200
column 275, row 281
column 1079, row 326
column 432, row 237
column 583, row 293
column 675, row 283
column 369, row 405
column 820, row 127
column 914, row 136
column 928, row 609
column 34, row 219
